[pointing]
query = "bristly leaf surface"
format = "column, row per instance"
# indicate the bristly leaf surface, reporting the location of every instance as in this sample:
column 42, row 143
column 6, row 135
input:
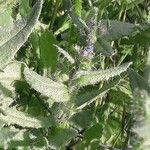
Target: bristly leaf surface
column 55, row 90
column 13, row 44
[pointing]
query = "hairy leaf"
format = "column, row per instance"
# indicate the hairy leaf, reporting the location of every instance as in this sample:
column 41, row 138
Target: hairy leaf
column 12, row 45
column 147, row 68
column 57, row 91
column 137, row 82
column 5, row 4
column 141, row 93
column 6, row 135
column 66, row 54
column 116, row 29
column 78, row 21
column 84, row 78
column 6, row 19
column 12, row 116
column 104, row 46
column 7, row 78
column 10, row 29
column 87, row 97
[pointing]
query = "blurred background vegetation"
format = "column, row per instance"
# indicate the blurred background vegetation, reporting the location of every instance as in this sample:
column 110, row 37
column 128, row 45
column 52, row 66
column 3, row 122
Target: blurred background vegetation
column 106, row 114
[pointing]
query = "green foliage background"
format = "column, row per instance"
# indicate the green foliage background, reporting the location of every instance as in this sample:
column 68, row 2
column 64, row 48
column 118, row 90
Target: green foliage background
column 75, row 74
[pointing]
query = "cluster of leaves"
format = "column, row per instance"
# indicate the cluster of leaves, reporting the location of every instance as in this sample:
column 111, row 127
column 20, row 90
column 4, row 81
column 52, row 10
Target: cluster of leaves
column 63, row 74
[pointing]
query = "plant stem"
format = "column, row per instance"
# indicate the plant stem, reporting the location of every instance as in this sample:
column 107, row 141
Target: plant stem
column 57, row 4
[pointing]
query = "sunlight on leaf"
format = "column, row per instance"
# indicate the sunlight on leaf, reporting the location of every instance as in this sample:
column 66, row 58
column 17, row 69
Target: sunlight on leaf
column 13, row 44
column 57, row 91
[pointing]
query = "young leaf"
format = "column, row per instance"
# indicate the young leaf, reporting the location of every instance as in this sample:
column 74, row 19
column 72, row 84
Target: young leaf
column 47, row 87
column 11, row 46
column 84, row 78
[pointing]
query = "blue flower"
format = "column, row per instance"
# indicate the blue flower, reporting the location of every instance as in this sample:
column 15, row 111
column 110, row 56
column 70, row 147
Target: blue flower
column 88, row 49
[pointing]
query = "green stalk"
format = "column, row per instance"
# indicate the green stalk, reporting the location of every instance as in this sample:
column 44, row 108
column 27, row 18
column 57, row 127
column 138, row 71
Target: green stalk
column 57, row 4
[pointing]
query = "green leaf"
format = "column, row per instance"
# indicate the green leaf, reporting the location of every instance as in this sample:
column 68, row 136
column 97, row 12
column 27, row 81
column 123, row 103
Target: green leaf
column 82, row 119
column 118, row 97
column 24, row 138
column 84, row 78
column 6, row 26
column 64, row 27
column 6, row 4
column 116, row 29
column 131, row 3
column 58, row 137
column 104, row 47
column 141, row 37
column 91, row 14
column 6, row 20
column 147, row 68
column 48, row 50
column 112, row 131
column 137, row 82
column 78, row 21
column 66, row 55
column 141, row 93
column 6, row 135
column 88, row 96
column 5, row 91
column 24, row 7
column 12, row 116
column 13, row 44
column 78, row 7
column 93, row 133
column 10, row 74
column 47, row 87
column 75, row 17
